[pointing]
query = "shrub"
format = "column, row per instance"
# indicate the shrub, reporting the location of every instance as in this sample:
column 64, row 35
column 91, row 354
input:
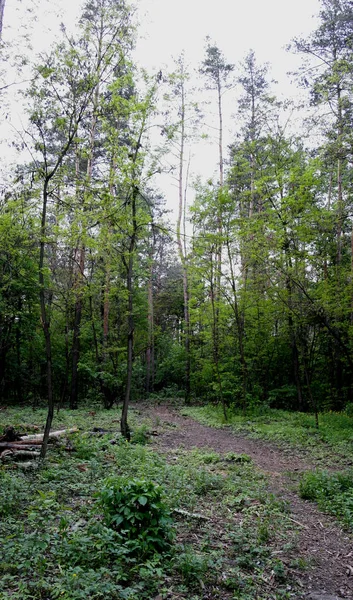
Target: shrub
column 135, row 508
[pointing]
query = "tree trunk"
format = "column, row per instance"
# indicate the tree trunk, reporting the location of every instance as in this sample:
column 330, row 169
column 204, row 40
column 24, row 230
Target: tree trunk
column 82, row 252
column 240, row 333
column 45, row 323
column 125, row 430
column 150, row 343
column 181, row 250
column 215, row 332
column 76, row 342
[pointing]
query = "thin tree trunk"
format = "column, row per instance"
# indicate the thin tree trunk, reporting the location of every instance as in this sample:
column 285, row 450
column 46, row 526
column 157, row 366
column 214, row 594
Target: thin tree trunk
column 81, row 267
column 150, row 318
column 339, row 179
column 125, row 430
column 45, row 322
column 240, row 332
column 182, row 253
column 215, row 332
column 76, row 341
column 19, row 359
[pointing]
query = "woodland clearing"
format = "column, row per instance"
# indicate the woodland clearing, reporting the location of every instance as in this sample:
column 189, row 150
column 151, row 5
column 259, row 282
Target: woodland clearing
column 241, row 528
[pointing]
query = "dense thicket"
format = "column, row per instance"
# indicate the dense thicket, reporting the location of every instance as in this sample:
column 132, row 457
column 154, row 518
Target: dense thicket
column 254, row 304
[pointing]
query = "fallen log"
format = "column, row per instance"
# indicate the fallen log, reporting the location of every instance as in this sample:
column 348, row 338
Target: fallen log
column 17, row 446
column 10, row 455
column 53, row 434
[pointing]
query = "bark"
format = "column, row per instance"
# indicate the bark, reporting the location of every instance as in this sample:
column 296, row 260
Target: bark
column 52, row 435
column 217, row 268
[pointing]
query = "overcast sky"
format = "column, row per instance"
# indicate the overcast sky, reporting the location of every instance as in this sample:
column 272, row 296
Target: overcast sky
column 267, row 26
column 236, row 25
column 169, row 26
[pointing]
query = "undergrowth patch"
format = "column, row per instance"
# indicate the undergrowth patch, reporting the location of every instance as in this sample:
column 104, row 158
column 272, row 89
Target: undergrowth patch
column 333, row 493
column 75, row 528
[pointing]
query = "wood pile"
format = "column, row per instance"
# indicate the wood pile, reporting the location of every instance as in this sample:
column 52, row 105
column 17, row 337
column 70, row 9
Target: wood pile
column 15, row 446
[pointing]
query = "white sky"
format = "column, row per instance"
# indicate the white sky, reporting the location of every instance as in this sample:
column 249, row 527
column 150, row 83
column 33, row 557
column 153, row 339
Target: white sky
column 169, row 26
column 236, row 26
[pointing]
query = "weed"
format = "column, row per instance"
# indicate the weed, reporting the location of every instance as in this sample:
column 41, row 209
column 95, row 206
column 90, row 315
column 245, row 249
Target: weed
column 192, row 566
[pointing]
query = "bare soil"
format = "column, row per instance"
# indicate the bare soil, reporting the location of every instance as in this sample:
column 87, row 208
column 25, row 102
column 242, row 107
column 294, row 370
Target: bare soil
column 323, row 544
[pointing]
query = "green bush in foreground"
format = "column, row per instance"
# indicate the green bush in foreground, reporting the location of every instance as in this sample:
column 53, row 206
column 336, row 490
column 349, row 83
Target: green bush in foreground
column 332, row 492
column 135, row 508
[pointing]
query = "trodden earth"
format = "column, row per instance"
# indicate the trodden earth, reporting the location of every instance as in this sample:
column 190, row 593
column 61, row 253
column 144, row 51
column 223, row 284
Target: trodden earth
column 321, row 542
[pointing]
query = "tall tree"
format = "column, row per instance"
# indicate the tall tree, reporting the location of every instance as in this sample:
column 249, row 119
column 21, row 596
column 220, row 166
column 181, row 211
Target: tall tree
column 329, row 51
column 215, row 68
column 184, row 114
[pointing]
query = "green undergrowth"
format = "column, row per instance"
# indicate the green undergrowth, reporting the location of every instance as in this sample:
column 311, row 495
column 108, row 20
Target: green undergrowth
column 330, row 443
column 333, row 493
column 121, row 521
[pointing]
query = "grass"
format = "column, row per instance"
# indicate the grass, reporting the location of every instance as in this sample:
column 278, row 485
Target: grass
column 55, row 542
column 331, row 443
column 333, row 493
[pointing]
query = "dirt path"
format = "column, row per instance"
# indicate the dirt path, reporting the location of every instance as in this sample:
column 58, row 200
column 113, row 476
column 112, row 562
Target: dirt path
column 322, row 543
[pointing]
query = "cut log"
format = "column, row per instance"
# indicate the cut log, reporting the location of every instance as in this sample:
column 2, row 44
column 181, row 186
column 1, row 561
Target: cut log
column 53, row 434
column 10, row 455
column 17, row 446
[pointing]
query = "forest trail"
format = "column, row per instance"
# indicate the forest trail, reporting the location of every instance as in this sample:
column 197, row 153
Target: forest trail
column 326, row 548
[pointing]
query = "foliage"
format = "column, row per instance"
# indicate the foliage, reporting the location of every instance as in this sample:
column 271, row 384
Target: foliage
column 332, row 491
column 135, row 508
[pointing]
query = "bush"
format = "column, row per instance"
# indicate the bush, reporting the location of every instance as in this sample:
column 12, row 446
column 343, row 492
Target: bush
column 135, row 508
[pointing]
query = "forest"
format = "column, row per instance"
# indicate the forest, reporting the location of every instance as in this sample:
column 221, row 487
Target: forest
column 236, row 309
column 247, row 299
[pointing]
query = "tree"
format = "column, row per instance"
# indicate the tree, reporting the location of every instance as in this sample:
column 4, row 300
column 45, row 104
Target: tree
column 217, row 71
column 329, row 52
column 184, row 114
column 62, row 93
